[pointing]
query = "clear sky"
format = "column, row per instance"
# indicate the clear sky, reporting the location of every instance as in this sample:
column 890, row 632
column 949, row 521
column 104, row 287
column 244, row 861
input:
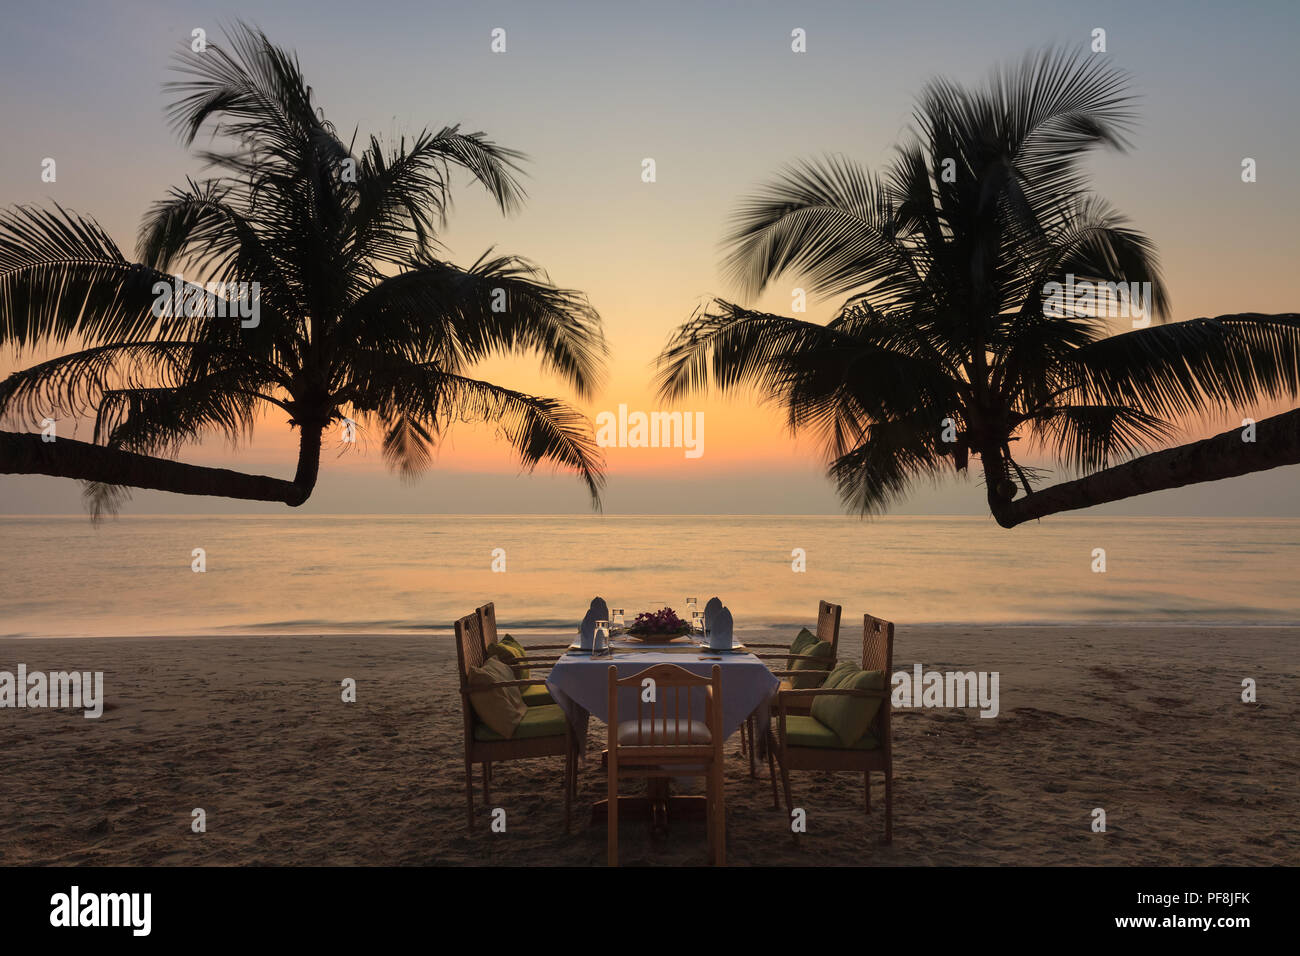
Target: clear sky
column 713, row 93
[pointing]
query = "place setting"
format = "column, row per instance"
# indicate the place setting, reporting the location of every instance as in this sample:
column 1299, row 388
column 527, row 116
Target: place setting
column 604, row 633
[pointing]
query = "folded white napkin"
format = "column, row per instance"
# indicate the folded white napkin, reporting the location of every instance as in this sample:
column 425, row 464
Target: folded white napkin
column 721, row 631
column 587, row 631
column 599, row 611
column 711, row 610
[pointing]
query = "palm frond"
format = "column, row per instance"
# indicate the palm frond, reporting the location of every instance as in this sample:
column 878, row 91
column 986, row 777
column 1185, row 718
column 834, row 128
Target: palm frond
column 161, row 421
column 392, row 388
column 732, row 347
column 61, row 275
column 437, row 312
column 1187, row 368
column 494, row 166
column 1089, row 437
column 408, row 447
column 253, row 89
column 403, row 194
column 207, row 226
column 1039, row 117
column 77, row 383
column 104, row 500
column 889, row 459
column 827, row 220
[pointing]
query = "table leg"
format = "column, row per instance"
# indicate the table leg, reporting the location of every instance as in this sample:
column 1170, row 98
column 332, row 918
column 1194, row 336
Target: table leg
column 658, row 795
column 659, row 807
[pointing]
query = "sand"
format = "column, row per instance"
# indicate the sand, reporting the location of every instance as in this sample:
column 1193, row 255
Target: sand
column 1144, row 722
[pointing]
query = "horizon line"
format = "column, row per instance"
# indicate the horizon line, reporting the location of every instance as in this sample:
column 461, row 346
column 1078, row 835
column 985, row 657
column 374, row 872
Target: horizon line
column 649, row 514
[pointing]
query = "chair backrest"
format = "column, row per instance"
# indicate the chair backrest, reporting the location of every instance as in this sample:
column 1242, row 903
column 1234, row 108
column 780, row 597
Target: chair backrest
column 878, row 655
column 469, row 645
column 469, row 653
column 671, row 711
column 487, row 622
column 828, row 625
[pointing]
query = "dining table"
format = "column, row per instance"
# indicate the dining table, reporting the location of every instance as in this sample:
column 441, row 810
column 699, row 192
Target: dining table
column 579, row 683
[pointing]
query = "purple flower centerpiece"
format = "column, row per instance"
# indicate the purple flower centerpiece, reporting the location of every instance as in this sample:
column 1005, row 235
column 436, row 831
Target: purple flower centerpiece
column 664, row 623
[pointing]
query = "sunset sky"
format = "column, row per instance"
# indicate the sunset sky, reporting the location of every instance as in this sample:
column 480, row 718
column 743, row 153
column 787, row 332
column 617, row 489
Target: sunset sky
column 711, row 92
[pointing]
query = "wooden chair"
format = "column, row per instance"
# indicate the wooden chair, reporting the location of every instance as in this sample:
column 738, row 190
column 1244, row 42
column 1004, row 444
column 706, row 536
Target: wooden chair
column 877, row 655
column 545, row 731
column 668, row 739
column 537, row 693
column 828, row 630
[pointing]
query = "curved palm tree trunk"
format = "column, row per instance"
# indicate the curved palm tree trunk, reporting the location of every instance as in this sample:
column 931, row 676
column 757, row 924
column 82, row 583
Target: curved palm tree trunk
column 1277, row 443
column 309, row 441
column 27, row 454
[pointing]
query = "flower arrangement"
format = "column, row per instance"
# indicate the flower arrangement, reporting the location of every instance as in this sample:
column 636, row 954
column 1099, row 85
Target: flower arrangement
column 664, row 622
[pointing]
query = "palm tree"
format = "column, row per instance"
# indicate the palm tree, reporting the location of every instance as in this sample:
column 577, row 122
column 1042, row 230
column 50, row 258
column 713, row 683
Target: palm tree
column 946, row 342
column 357, row 322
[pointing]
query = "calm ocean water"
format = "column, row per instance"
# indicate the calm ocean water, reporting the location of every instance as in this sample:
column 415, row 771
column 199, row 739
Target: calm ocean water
column 60, row 576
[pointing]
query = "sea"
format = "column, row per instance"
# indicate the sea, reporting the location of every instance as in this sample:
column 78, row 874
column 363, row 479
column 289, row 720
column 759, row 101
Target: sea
column 162, row 575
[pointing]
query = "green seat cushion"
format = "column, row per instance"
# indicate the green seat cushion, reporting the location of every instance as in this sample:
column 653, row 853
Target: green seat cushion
column 537, row 696
column 849, row 717
column 500, row 708
column 546, row 720
column 509, row 650
column 818, row 668
column 805, row 638
column 810, row 732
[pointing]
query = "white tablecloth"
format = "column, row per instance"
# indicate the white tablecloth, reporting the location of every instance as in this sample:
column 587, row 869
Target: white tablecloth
column 580, row 683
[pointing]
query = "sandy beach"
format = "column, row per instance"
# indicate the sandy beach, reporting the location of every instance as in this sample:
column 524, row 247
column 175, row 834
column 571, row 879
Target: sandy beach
column 1145, row 722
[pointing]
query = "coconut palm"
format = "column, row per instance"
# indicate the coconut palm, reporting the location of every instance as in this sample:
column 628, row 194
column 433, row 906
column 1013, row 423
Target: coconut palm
column 358, row 323
column 947, row 340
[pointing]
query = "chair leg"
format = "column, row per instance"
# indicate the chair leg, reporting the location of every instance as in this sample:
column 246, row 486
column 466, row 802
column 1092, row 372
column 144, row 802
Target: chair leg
column 710, row 820
column 742, row 738
column 720, row 818
column 612, row 816
column 750, row 724
column 771, row 769
column 487, row 782
column 889, row 804
column 789, row 803
column 469, row 794
column 568, row 788
column 573, row 775
column 866, row 788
